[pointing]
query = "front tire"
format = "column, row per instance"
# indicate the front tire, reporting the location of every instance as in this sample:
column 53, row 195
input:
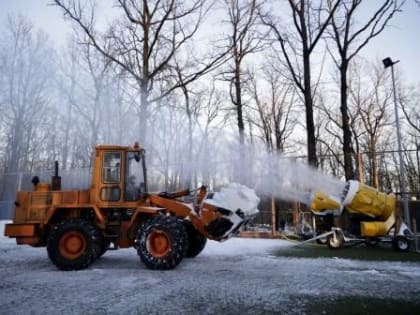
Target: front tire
column 162, row 242
column 100, row 245
column 196, row 241
column 71, row 244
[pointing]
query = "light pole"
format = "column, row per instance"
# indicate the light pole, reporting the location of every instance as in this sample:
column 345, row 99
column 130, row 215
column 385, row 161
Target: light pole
column 403, row 186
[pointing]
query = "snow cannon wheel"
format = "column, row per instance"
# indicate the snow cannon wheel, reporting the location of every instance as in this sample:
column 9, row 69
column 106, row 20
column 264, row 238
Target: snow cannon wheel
column 196, row 241
column 321, row 241
column 162, row 242
column 71, row 245
column 401, row 244
column 335, row 240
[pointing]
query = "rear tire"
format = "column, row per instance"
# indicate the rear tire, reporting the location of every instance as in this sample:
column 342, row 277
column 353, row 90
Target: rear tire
column 196, row 241
column 162, row 242
column 335, row 240
column 71, row 244
column 401, row 244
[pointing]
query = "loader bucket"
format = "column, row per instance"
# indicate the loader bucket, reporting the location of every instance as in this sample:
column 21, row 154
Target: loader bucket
column 237, row 205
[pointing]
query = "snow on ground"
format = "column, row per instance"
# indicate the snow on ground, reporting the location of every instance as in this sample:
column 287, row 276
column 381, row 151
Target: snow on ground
column 239, row 276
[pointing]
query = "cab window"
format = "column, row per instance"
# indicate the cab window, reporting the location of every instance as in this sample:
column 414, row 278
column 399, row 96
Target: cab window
column 111, row 172
column 134, row 177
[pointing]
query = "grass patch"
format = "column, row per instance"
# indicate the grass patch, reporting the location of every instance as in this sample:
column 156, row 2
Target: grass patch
column 355, row 305
column 360, row 252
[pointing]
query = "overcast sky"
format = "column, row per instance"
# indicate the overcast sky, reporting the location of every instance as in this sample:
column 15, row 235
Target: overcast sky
column 400, row 41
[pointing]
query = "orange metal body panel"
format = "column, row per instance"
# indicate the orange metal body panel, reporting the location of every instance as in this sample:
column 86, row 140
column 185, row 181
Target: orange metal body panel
column 18, row 230
column 21, row 206
column 180, row 209
column 124, row 240
column 207, row 214
column 24, row 233
column 33, row 241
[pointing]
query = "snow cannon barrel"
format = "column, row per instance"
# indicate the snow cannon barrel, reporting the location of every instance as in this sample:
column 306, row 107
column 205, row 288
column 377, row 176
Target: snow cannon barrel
column 366, row 200
column 237, row 205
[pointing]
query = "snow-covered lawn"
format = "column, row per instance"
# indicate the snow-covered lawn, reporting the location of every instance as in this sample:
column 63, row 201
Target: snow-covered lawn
column 239, row 276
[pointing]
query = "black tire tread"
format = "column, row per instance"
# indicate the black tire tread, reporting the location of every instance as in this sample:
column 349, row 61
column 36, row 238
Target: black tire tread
column 83, row 261
column 100, row 245
column 196, row 241
column 179, row 242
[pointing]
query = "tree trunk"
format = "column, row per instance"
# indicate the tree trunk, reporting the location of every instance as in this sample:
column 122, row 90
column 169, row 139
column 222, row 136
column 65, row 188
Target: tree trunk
column 238, row 97
column 144, row 83
column 310, row 125
column 359, row 164
column 347, row 147
column 143, row 114
column 189, row 175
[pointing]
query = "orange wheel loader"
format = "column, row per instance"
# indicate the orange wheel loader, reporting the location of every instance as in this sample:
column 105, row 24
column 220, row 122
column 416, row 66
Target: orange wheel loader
column 117, row 211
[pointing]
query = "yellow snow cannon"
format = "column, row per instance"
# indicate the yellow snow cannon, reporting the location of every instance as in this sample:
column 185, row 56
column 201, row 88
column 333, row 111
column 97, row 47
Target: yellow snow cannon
column 373, row 214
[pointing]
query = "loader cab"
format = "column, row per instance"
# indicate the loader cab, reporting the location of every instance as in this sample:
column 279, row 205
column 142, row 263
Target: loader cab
column 119, row 175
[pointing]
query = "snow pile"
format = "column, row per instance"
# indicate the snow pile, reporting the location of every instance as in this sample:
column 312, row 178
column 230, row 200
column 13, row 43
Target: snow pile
column 236, row 196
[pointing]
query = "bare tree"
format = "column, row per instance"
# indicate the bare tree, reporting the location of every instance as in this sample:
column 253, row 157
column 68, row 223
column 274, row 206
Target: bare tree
column 370, row 100
column 88, row 78
column 24, row 101
column 244, row 40
column 191, row 107
column 327, row 135
column 309, row 21
column 66, row 83
column 276, row 119
column 410, row 102
column 350, row 37
column 144, row 41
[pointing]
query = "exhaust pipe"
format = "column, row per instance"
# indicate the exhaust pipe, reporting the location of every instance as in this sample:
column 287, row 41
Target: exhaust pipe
column 56, row 180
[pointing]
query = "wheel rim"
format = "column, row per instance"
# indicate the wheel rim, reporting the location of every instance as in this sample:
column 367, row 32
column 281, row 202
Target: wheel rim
column 335, row 241
column 402, row 244
column 158, row 243
column 72, row 245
